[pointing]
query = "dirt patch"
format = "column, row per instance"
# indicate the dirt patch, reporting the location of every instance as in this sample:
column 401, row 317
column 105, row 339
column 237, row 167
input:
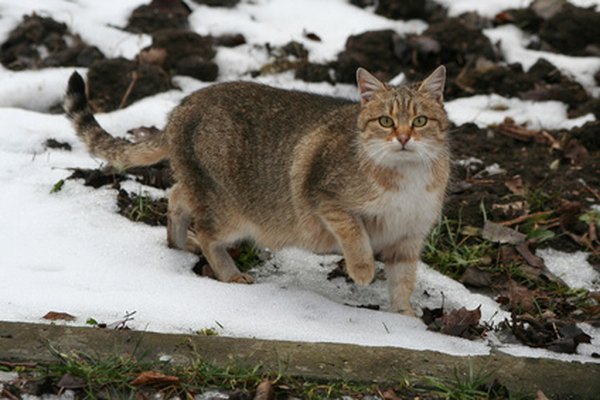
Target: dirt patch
column 560, row 26
column 547, row 177
column 412, row 9
column 187, row 53
column 453, row 42
column 218, row 3
column 118, row 82
column 159, row 14
column 39, row 42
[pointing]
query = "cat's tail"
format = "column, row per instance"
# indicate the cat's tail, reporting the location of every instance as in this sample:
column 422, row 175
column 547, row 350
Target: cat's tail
column 120, row 153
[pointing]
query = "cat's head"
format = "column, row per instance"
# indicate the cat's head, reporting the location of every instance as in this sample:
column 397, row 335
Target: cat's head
column 405, row 123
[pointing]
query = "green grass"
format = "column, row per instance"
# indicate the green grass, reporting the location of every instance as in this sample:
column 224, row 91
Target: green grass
column 246, row 256
column 451, row 248
column 473, row 385
column 113, row 376
column 142, row 210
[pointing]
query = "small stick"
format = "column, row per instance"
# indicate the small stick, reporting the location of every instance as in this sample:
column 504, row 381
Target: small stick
column 134, row 78
column 525, row 217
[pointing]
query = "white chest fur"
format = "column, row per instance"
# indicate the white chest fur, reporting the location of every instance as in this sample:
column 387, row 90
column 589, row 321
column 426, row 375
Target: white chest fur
column 408, row 211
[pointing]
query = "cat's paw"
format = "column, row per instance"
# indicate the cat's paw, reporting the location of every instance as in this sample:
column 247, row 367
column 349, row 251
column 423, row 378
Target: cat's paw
column 406, row 310
column 402, row 306
column 362, row 274
column 241, row 278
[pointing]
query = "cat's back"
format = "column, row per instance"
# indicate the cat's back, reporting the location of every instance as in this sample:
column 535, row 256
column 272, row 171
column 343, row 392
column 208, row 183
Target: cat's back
column 244, row 136
column 261, row 106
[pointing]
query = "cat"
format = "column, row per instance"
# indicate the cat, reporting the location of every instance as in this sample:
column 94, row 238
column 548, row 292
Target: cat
column 287, row 168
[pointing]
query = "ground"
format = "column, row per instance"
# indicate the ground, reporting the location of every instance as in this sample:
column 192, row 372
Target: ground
column 520, row 185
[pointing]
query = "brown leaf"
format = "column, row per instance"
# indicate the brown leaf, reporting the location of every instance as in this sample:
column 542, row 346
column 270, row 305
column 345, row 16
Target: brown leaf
column 531, row 259
column 312, row 36
column 509, row 128
column 576, row 152
column 154, row 378
column 431, row 315
column 458, row 322
column 69, row 381
column 476, row 277
column 501, row 234
column 521, row 298
column 58, row 316
column 513, row 208
column 265, row 391
column 539, row 395
column 153, row 56
column 390, row 395
column 515, row 185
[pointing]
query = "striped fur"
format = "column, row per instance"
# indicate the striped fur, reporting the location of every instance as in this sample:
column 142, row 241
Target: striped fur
column 120, row 153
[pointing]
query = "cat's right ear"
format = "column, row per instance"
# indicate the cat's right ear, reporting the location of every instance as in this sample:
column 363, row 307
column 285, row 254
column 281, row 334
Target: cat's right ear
column 367, row 85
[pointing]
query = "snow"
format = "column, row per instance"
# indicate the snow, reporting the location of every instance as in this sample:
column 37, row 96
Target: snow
column 491, row 8
column 485, row 110
column 572, row 268
column 70, row 251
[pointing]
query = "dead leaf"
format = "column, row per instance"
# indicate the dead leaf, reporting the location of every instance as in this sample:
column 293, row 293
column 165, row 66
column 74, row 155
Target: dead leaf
column 515, row 185
column 539, row 395
column 509, row 128
column 390, row 394
column 476, row 277
column 69, row 381
column 575, row 152
column 431, row 315
column 265, row 391
column 501, row 234
column 312, row 36
column 459, row 322
column 520, row 297
column 531, row 259
column 511, row 209
column 147, row 378
column 153, row 56
column 58, row 316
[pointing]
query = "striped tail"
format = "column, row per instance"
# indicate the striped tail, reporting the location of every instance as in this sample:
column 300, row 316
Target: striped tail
column 120, row 153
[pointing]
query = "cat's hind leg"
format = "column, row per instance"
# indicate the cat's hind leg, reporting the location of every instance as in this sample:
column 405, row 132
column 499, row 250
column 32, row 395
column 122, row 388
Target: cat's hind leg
column 220, row 261
column 215, row 235
column 179, row 221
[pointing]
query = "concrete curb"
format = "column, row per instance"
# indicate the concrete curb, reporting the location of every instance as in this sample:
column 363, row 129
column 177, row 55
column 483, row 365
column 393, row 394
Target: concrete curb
column 30, row 342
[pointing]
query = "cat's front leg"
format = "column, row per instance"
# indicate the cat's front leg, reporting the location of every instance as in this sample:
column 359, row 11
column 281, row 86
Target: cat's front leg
column 401, row 272
column 354, row 241
column 401, row 277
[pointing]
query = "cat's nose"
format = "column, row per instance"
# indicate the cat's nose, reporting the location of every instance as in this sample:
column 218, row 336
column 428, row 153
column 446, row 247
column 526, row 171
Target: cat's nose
column 403, row 139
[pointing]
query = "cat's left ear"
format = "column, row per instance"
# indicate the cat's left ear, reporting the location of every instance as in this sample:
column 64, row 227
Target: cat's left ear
column 434, row 83
column 367, row 85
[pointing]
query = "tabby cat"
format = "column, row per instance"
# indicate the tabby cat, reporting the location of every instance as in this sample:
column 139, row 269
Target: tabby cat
column 288, row 168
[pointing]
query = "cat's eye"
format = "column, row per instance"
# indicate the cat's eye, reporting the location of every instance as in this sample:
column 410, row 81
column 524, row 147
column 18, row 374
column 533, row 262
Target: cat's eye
column 420, row 121
column 386, row 122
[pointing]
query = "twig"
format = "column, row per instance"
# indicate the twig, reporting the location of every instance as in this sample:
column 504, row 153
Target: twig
column 590, row 189
column 134, row 78
column 8, row 395
column 525, row 217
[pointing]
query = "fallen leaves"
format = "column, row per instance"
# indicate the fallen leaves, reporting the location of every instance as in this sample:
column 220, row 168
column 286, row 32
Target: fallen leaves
column 58, row 316
column 498, row 233
column 555, row 335
column 459, row 322
column 148, row 378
